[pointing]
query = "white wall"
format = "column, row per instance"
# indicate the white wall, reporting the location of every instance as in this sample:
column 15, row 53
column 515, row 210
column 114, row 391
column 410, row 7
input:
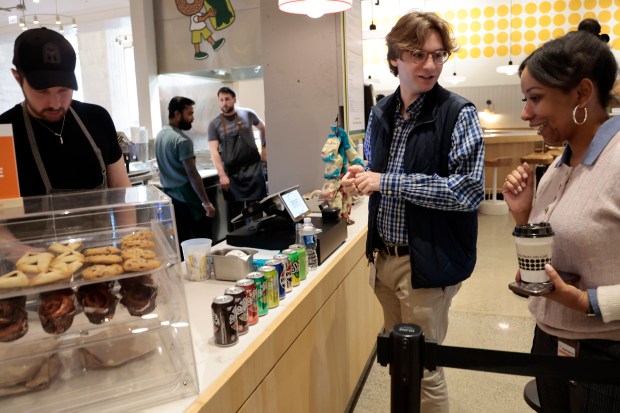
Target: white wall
column 301, row 94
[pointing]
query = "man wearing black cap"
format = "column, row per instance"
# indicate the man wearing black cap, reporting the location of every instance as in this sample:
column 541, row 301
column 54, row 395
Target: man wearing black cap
column 61, row 144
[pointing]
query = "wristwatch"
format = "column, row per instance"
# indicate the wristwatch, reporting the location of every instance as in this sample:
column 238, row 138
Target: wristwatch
column 593, row 308
column 205, row 205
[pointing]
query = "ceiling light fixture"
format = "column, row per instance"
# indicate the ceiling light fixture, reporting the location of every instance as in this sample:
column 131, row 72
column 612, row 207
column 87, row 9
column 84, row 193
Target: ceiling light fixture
column 455, row 79
column 372, row 26
column 509, row 69
column 314, row 8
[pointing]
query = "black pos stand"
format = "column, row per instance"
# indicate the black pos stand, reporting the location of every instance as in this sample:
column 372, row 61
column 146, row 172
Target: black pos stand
column 407, row 353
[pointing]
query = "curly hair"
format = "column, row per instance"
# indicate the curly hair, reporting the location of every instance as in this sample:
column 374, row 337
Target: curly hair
column 410, row 31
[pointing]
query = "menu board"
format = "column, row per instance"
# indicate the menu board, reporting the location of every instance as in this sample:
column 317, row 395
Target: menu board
column 354, row 70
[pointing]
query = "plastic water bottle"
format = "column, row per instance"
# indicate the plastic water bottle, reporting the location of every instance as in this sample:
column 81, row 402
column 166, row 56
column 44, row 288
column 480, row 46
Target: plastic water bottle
column 308, row 234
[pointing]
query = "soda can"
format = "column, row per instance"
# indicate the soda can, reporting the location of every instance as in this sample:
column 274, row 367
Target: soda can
column 279, row 266
column 224, row 321
column 241, row 308
column 272, row 282
column 294, row 256
column 251, row 297
column 261, row 291
column 303, row 260
column 288, row 270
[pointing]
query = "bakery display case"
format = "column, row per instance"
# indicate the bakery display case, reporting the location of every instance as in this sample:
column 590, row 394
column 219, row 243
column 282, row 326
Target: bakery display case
column 93, row 312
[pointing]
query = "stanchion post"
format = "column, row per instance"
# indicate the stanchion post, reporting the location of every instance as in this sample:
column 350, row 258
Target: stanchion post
column 402, row 350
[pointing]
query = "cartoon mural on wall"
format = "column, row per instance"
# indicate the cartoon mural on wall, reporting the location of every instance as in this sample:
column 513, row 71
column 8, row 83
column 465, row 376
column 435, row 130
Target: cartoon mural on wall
column 219, row 14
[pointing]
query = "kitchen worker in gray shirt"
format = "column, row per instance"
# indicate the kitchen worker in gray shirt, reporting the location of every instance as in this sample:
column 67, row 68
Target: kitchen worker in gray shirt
column 178, row 173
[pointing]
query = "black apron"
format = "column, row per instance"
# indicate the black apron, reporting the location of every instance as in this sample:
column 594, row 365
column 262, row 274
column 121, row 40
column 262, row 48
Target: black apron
column 242, row 164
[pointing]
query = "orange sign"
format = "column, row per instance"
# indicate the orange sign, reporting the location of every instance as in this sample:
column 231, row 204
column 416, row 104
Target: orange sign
column 9, row 183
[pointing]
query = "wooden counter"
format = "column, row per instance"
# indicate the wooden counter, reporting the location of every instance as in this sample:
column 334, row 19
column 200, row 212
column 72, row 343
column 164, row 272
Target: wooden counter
column 307, row 355
column 507, row 143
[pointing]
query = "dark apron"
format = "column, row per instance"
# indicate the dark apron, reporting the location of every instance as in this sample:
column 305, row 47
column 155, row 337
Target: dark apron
column 243, row 165
column 65, row 225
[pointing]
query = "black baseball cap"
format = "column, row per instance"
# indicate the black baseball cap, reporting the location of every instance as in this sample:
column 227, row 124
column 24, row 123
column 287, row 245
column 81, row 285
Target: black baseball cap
column 45, row 58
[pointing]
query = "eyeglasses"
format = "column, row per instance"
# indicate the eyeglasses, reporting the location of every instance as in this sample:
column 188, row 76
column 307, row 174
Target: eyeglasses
column 419, row 56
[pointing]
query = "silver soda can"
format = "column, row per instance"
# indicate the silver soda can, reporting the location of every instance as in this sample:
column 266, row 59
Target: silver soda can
column 279, row 266
column 252, row 299
column 288, row 270
column 224, row 321
column 241, row 308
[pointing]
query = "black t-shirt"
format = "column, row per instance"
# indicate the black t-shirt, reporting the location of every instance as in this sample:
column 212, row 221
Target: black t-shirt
column 72, row 164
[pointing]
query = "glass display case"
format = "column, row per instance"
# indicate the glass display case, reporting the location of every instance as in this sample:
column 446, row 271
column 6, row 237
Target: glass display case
column 93, row 314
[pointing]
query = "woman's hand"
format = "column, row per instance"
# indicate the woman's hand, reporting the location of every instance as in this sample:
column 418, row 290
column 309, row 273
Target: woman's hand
column 566, row 294
column 518, row 192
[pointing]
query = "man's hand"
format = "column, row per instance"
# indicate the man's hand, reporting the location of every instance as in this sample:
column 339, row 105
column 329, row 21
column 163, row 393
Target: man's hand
column 225, row 182
column 209, row 209
column 368, row 182
column 348, row 180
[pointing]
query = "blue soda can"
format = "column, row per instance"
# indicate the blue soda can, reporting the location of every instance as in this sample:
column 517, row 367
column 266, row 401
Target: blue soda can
column 288, row 270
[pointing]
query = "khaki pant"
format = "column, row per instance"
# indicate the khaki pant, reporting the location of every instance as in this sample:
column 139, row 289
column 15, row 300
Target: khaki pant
column 425, row 307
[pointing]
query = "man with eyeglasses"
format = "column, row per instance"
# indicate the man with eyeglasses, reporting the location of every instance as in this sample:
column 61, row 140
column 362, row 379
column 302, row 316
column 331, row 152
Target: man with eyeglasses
column 425, row 179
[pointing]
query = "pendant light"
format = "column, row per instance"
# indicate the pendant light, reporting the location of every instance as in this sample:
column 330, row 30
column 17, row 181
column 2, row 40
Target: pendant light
column 314, row 8
column 372, row 26
column 509, row 69
column 455, row 79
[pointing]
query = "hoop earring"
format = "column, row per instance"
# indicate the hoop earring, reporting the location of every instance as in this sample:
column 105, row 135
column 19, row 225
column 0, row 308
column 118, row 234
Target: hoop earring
column 585, row 115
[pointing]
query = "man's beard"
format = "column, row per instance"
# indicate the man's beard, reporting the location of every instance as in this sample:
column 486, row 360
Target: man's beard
column 44, row 114
column 228, row 111
column 184, row 125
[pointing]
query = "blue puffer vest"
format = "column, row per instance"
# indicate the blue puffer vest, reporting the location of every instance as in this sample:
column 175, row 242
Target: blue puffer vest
column 442, row 244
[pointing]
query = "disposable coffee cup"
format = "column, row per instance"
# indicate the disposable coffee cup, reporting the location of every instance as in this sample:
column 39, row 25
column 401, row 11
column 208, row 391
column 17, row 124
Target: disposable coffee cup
column 534, row 248
column 195, row 252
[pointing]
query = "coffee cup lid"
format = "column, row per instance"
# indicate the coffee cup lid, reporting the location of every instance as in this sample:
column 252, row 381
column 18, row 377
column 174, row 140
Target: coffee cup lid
column 538, row 230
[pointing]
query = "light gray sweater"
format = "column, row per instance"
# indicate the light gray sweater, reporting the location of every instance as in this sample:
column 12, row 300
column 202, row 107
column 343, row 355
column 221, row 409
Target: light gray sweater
column 582, row 204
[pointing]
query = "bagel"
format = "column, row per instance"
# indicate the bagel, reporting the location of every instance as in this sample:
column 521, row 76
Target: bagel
column 13, row 279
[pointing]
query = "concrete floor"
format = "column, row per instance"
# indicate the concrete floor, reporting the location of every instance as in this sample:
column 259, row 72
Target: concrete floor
column 484, row 314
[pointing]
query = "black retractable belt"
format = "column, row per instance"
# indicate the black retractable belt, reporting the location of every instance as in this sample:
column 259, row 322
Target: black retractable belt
column 406, row 351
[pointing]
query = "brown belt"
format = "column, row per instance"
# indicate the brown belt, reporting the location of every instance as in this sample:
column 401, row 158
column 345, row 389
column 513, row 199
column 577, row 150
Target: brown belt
column 395, row 250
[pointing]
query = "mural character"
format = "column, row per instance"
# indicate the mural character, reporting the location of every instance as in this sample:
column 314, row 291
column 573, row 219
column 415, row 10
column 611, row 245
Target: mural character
column 199, row 12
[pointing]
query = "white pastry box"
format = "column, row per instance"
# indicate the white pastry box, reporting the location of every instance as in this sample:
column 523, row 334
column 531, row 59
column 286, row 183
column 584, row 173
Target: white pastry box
column 93, row 315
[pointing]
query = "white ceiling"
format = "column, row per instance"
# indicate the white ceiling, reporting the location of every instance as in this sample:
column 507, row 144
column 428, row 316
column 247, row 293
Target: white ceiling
column 83, row 10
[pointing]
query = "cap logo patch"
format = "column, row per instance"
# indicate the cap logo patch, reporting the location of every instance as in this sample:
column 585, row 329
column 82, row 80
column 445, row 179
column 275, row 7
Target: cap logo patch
column 51, row 54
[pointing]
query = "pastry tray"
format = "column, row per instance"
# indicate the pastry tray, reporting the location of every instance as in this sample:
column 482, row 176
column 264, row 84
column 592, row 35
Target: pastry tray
column 83, row 331
column 162, row 249
column 125, row 364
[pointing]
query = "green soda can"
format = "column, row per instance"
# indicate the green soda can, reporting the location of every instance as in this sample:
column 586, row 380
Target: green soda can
column 261, row 291
column 294, row 256
column 272, row 282
column 303, row 260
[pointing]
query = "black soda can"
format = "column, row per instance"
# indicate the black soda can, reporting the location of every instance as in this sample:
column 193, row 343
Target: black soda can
column 279, row 266
column 241, row 308
column 251, row 297
column 224, row 321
